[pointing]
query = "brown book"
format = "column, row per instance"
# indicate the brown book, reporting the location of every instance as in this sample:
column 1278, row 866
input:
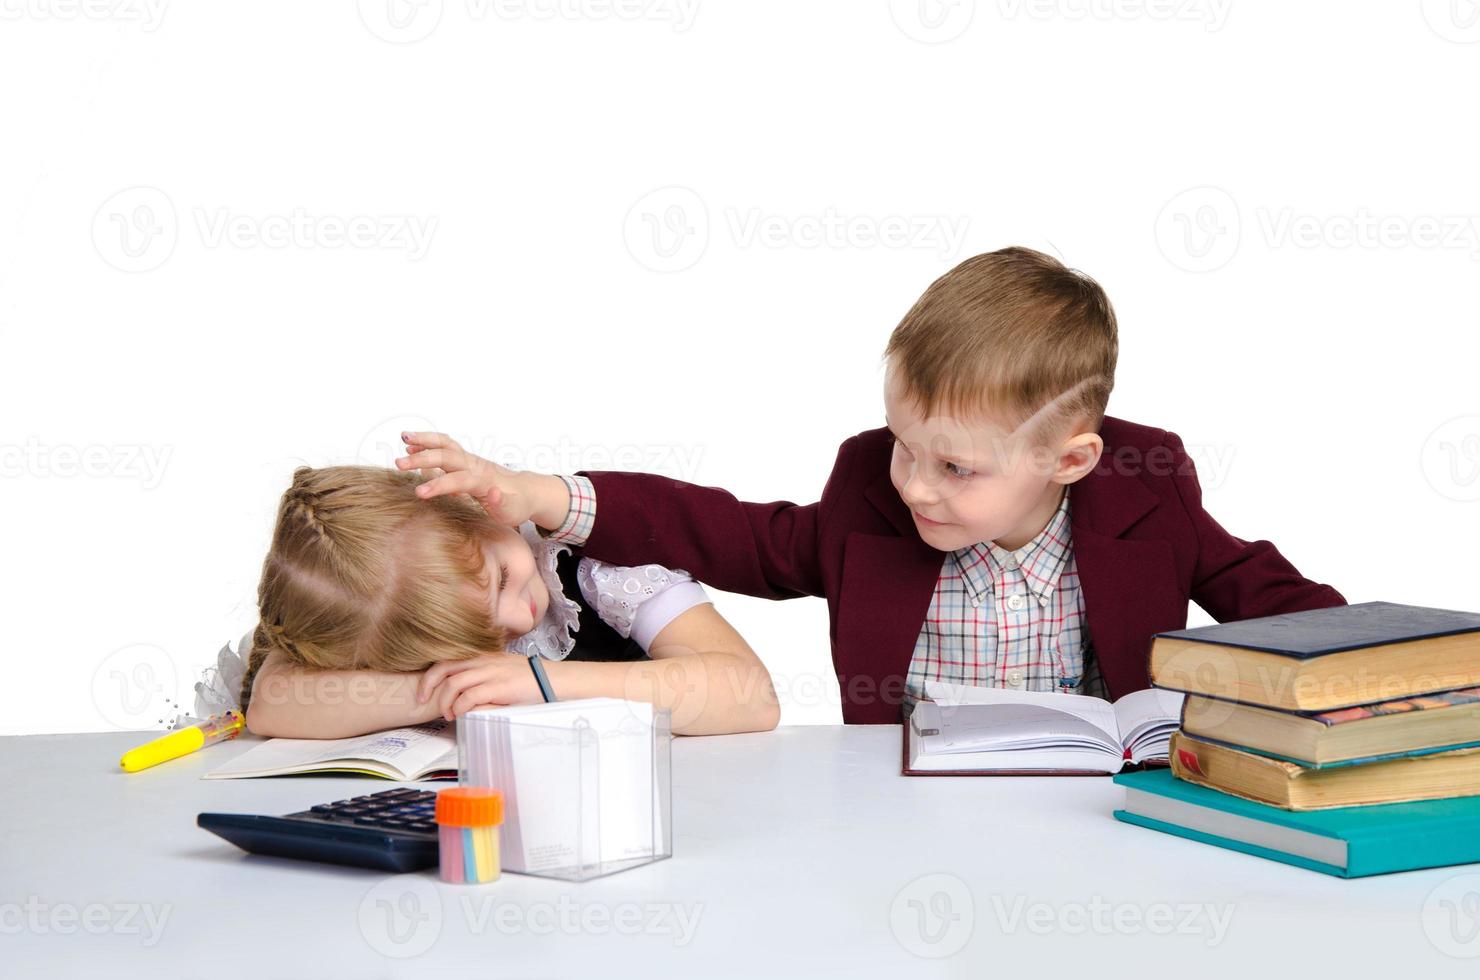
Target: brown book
column 1290, row 787
column 1320, row 659
column 1387, row 729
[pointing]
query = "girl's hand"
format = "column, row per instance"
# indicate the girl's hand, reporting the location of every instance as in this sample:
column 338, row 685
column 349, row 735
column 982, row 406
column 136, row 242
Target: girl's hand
column 502, row 492
column 458, row 686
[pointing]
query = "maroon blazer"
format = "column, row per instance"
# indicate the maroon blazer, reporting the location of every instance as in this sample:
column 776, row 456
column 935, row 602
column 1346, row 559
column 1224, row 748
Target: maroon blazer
column 1142, row 542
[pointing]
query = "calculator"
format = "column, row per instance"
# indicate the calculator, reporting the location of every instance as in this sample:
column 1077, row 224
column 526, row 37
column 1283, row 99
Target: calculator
column 394, row 830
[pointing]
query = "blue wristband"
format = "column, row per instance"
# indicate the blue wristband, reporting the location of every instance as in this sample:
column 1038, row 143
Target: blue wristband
column 546, row 692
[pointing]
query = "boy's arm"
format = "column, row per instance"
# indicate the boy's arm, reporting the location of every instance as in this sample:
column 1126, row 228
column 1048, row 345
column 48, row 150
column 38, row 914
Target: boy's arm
column 1236, row 579
column 761, row 549
column 300, row 702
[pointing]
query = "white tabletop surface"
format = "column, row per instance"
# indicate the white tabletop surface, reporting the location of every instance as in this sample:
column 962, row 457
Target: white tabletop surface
column 800, row 852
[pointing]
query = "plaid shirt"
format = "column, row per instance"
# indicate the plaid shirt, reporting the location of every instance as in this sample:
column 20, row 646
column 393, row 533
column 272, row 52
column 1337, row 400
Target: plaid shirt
column 1011, row 619
column 997, row 618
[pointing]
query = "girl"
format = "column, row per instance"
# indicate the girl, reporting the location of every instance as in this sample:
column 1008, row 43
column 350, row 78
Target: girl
column 380, row 609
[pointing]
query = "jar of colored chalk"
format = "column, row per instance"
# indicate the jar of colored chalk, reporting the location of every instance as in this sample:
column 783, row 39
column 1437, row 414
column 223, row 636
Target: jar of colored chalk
column 468, row 818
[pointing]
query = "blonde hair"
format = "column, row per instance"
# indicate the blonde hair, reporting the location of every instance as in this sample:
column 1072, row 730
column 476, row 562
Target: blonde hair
column 1014, row 336
column 363, row 573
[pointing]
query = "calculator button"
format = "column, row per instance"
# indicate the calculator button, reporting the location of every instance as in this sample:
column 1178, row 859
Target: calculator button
column 420, row 825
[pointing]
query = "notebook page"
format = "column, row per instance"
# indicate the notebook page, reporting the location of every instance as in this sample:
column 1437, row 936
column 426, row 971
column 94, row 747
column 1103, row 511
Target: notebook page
column 983, row 718
column 406, row 752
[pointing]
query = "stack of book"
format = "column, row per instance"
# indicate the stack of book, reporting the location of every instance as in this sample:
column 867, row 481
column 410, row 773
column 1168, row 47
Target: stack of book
column 1345, row 739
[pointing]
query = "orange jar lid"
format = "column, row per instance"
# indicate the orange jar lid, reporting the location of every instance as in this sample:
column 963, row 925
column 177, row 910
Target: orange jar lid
column 470, row 806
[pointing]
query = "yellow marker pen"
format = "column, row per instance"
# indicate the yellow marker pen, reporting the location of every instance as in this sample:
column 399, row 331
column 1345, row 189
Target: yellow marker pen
column 217, row 728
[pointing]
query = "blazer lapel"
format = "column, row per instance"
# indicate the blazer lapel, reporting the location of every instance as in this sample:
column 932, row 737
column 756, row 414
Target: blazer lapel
column 887, row 583
column 1129, row 585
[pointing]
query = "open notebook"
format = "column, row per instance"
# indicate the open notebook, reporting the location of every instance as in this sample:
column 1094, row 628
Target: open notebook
column 420, row 752
column 991, row 731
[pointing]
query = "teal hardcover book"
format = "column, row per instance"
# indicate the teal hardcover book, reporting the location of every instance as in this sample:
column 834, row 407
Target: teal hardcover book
column 1350, row 842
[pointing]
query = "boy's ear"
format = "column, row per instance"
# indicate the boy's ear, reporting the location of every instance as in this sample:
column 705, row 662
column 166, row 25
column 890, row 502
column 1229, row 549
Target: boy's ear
column 1078, row 456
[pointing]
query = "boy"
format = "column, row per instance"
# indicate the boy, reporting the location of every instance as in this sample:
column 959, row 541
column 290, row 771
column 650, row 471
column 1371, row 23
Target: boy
column 1000, row 530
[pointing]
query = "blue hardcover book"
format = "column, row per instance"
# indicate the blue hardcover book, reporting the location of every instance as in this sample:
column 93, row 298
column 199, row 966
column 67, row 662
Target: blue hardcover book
column 1349, row 842
column 1320, row 659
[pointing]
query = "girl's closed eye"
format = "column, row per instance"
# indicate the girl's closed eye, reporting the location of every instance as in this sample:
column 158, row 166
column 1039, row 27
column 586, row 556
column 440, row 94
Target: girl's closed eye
column 503, row 576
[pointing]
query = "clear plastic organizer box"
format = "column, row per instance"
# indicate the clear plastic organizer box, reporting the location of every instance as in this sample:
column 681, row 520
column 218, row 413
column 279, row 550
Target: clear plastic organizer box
column 581, row 800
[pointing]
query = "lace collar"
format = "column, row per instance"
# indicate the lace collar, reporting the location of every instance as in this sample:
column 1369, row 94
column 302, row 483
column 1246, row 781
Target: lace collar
column 550, row 637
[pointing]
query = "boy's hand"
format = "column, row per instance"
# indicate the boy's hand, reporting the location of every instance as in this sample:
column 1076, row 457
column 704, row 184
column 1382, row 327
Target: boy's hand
column 509, row 496
column 459, row 686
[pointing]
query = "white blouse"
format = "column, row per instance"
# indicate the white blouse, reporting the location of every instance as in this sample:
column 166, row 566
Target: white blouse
column 636, row 601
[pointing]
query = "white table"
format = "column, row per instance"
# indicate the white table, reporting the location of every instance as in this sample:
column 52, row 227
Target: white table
column 796, row 853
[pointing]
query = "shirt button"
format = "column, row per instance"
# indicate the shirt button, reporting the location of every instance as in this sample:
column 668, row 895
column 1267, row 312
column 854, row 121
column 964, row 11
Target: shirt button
column 1011, row 562
column 1014, row 678
column 1015, row 602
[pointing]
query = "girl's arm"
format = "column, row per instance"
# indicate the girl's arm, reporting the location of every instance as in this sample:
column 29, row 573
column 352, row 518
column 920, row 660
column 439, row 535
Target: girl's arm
column 289, row 701
column 701, row 669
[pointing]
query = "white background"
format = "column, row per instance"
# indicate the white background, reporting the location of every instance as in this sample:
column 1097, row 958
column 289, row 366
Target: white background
column 675, row 237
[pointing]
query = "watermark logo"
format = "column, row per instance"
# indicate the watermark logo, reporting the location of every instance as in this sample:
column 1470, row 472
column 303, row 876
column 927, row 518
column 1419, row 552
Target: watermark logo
column 409, row 21
column 147, row 14
column 400, row 21
column 401, row 917
column 1198, row 230
column 1451, row 916
column 933, row 916
column 1211, row 14
column 136, row 687
column 1105, row 918
column 135, row 230
column 125, row 461
column 1451, row 458
column 143, row 919
column 1457, row 21
column 932, row 21
column 667, row 230
column 382, row 446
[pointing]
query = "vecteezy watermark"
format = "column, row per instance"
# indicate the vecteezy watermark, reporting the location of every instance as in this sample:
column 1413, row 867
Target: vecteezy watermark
column 148, row 14
column 117, row 461
column 933, row 916
column 144, row 919
column 381, row 446
column 1105, row 918
column 1200, row 229
column 668, row 229
column 138, row 228
column 1451, row 916
column 137, row 687
column 932, row 21
column 1211, row 14
column 404, row 916
column 938, row 21
column 1451, row 458
column 1453, row 20
column 409, row 21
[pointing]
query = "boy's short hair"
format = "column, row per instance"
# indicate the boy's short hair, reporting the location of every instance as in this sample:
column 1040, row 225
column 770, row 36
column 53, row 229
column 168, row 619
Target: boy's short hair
column 1007, row 335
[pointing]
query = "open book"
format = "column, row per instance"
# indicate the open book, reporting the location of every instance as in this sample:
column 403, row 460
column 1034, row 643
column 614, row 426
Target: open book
column 986, row 731
column 404, row 754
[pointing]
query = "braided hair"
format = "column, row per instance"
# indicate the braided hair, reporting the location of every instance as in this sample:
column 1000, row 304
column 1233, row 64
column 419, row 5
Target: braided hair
column 364, row 574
